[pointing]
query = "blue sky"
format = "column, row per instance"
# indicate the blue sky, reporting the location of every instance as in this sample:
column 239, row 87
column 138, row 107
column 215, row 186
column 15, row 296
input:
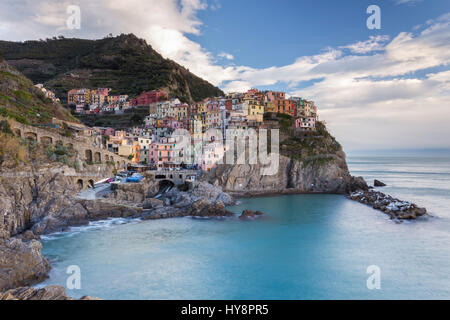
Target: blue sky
column 267, row 33
column 376, row 89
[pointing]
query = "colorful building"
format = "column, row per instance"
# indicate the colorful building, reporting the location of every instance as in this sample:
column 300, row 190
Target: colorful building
column 146, row 98
column 285, row 106
column 305, row 124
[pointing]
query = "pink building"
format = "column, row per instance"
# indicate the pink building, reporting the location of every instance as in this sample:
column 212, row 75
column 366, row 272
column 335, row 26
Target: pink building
column 212, row 106
column 174, row 124
column 305, row 124
column 103, row 91
column 272, row 96
column 153, row 153
column 109, row 132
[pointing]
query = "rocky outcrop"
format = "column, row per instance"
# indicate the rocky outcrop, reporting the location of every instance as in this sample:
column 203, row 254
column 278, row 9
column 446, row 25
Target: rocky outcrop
column 249, row 214
column 38, row 199
column 293, row 176
column 202, row 200
column 135, row 192
column 378, row 183
column 21, row 263
column 396, row 208
column 46, row 293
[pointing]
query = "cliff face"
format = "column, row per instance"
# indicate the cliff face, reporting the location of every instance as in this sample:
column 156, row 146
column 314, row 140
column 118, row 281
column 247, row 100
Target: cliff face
column 314, row 163
column 33, row 200
column 293, row 176
column 31, row 204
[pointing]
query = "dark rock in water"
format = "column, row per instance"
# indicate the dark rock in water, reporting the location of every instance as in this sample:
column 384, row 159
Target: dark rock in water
column 396, row 208
column 357, row 183
column 378, row 183
column 249, row 214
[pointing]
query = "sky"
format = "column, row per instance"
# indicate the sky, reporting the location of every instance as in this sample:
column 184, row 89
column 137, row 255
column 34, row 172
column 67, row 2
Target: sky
column 386, row 88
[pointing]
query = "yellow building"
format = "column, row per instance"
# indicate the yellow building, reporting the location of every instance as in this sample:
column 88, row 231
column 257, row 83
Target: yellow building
column 255, row 111
column 197, row 127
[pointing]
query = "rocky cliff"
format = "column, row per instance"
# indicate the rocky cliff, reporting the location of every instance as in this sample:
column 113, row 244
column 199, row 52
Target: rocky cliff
column 307, row 164
column 34, row 199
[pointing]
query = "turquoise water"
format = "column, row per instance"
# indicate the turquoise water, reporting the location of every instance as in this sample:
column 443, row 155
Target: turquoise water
column 305, row 247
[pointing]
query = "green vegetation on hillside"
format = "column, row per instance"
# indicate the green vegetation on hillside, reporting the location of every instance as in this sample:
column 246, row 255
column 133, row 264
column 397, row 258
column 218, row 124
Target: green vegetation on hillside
column 318, row 147
column 124, row 63
column 130, row 118
column 20, row 100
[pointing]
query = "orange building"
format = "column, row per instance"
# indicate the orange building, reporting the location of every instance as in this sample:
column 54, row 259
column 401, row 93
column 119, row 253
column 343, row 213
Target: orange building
column 285, row 106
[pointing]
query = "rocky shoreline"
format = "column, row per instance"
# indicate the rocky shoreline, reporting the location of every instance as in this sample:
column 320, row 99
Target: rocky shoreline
column 397, row 209
column 47, row 293
column 45, row 203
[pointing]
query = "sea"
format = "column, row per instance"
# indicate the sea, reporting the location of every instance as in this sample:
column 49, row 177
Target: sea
column 312, row 246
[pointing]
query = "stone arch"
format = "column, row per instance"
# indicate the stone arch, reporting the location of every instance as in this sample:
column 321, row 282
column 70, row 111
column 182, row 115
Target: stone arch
column 97, row 157
column 80, row 184
column 91, row 183
column 88, row 154
column 31, row 136
column 46, row 140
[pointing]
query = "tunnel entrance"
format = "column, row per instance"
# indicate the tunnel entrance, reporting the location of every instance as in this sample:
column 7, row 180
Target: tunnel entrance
column 165, row 185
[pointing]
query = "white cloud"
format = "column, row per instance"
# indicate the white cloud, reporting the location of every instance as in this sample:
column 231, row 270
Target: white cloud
column 375, row 43
column 410, row 2
column 225, row 55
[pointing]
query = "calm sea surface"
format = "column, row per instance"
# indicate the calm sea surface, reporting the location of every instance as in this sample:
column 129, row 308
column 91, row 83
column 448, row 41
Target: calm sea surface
column 305, row 247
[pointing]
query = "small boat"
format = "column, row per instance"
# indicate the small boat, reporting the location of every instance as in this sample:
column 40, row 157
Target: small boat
column 136, row 177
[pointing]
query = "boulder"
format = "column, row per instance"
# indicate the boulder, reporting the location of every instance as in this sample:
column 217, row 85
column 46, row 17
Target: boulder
column 21, row 263
column 378, row 183
column 249, row 214
column 152, row 203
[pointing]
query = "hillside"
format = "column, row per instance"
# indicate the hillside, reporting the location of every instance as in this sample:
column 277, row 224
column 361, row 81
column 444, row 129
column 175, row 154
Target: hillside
column 125, row 63
column 20, row 100
column 310, row 163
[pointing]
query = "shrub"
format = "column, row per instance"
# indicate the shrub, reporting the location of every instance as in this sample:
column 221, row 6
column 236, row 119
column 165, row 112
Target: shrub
column 12, row 149
column 5, row 127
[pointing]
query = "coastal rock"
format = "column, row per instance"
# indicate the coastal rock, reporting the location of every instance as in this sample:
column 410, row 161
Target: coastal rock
column 98, row 210
column 152, row 203
column 135, row 192
column 396, row 208
column 378, row 183
column 293, row 176
column 21, row 263
column 213, row 193
column 249, row 214
column 206, row 208
column 52, row 292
